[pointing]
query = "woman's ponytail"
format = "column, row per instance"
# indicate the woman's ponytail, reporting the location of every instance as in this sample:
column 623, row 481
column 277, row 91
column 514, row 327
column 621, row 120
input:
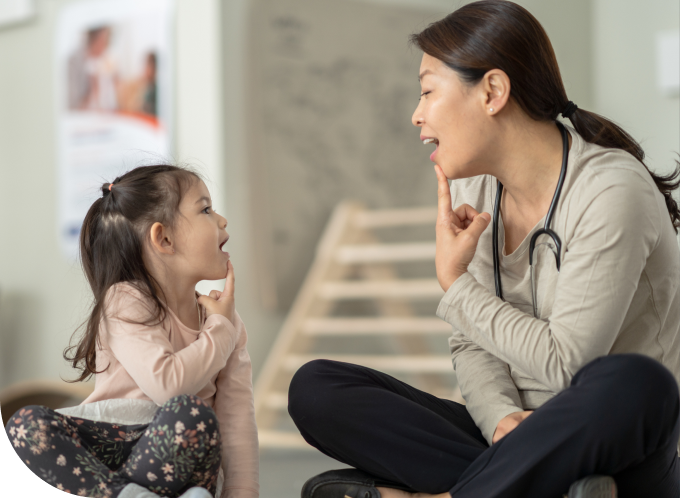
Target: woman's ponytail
column 497, row 34
column 599, row 130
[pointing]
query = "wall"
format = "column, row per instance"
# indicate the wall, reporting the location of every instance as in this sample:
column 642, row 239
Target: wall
column 624, row 72
column 43, row 297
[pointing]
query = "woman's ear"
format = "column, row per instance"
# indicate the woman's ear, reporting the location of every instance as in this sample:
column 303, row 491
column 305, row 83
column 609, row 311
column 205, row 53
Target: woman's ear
column 161, row 240
column 495, row 91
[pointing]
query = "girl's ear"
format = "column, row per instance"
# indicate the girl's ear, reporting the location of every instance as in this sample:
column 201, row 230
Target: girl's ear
column 495, row 91
column 161, row 239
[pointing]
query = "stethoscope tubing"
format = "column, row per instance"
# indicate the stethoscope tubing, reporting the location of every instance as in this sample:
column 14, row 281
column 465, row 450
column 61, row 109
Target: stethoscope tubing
column 546, row 230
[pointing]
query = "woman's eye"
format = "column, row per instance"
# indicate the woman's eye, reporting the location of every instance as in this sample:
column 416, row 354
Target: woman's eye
column 424, row 93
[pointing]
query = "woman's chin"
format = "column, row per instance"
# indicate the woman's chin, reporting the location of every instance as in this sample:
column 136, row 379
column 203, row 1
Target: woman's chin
column 454, row 173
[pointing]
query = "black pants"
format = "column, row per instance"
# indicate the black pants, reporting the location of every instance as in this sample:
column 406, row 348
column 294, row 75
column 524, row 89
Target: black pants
column 179, row 449
column 619, row 417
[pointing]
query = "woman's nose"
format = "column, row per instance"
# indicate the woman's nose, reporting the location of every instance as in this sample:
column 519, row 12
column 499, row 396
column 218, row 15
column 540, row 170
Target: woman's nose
column 417, row 118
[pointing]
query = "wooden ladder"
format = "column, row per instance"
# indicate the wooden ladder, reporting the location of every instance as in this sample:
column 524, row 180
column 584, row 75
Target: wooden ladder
column 370, row 281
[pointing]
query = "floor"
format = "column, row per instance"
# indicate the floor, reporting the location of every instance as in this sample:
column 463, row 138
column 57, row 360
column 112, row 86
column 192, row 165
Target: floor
column 283, row 472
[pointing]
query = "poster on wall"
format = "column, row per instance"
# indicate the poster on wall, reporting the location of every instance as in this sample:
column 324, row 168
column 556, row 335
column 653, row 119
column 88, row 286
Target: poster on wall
column 114, row 79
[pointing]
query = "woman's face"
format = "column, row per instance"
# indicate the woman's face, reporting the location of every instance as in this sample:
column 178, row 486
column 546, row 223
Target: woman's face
column 453, row 114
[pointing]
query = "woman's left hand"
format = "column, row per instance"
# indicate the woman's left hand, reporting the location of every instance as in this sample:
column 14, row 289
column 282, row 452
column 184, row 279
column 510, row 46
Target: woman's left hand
column 458, row 233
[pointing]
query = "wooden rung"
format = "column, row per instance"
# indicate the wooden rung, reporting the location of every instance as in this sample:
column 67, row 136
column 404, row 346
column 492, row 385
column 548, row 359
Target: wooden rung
column 395, row 218
column 286, row 439
column 404, row 288
column 394, row 363
column 378, row 326
column 375, row 253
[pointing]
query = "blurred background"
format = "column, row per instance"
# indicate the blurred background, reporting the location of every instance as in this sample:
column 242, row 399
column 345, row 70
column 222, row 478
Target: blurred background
column 289, row 108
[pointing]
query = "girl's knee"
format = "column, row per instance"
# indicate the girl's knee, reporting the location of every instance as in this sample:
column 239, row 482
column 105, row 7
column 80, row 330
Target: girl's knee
column 187, row 402
column 188, row 412
column 30, row 413
column 27, row 428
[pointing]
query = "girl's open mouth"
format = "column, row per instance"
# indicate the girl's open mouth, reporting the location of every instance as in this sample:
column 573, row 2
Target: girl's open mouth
column 221, row 246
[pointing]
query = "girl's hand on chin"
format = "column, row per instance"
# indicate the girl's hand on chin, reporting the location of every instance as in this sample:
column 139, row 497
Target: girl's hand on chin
column 221, row 303
column 458, row 233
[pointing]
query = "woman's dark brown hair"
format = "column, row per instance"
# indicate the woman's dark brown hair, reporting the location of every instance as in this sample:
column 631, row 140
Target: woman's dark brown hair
column 498, row 34
column 112, row 244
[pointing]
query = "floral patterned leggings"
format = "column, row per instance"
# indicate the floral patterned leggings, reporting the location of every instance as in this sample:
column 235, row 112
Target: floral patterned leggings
column 180, row 448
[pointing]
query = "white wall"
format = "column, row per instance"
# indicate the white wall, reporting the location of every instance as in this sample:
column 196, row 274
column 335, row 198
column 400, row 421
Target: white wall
column 624, row 69
column 42, row 295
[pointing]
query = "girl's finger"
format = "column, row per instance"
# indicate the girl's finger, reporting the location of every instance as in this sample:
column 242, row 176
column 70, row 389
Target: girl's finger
column 229, row 281
column 443, row 194
column 214, row 295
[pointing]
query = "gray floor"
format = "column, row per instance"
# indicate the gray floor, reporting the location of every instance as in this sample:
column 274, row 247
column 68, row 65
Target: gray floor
column 283, row 472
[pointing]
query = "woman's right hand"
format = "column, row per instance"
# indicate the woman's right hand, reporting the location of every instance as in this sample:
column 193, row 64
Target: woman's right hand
column 221, row 303
column 509, row 423
column 458, row 232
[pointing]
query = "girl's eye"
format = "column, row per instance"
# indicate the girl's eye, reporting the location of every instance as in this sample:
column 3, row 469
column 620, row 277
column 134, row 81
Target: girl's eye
column 424, row 93
column 206, row 210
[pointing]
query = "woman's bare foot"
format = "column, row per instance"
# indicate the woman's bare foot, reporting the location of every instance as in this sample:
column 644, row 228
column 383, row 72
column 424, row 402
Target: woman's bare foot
column 388, row 492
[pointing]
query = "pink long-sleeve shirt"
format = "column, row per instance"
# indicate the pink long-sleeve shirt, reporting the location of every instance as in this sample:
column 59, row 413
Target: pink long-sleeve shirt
column 159, row 361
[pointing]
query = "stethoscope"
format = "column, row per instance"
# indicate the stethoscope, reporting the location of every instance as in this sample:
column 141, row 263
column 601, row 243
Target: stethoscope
column 545, row 230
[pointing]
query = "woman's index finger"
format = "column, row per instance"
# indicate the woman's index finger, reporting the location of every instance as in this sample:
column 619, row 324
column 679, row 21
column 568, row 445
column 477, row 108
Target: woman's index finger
column 443, row 193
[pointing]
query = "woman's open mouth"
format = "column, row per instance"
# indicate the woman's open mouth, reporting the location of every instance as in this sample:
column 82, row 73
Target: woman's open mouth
column 432, row 140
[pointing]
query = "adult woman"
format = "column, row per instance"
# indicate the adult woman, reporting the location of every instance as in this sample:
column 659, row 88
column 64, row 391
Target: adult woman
column 491, row 93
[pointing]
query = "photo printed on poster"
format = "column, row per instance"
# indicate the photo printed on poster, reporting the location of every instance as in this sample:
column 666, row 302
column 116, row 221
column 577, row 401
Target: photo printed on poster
column 114, row 68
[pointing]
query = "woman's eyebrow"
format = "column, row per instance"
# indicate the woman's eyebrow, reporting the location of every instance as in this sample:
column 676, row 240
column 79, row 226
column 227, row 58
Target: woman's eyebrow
column 424, row 73
column 203, row 198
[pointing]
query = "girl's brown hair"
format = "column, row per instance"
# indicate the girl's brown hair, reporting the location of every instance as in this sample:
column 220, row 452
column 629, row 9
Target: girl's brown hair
column 112, row 243
column 498, row 34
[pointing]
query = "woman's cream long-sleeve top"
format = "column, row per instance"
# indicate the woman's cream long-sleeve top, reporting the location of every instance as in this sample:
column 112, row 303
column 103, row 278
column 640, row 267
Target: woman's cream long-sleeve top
column 617, row 290
column 158, row 362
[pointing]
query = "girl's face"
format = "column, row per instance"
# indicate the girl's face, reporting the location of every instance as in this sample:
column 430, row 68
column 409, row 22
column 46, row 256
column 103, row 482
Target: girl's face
column 200, row 236
column 452, row 113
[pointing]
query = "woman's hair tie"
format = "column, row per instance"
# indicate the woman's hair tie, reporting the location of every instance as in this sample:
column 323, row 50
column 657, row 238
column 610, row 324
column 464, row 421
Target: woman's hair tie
column 569, row 109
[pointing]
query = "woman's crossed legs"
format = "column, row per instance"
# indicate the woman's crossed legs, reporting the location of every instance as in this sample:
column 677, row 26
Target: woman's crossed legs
column 619, row 417
column 180, row 448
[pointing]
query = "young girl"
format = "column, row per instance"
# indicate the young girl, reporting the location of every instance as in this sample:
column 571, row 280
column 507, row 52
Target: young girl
column 145, row 244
